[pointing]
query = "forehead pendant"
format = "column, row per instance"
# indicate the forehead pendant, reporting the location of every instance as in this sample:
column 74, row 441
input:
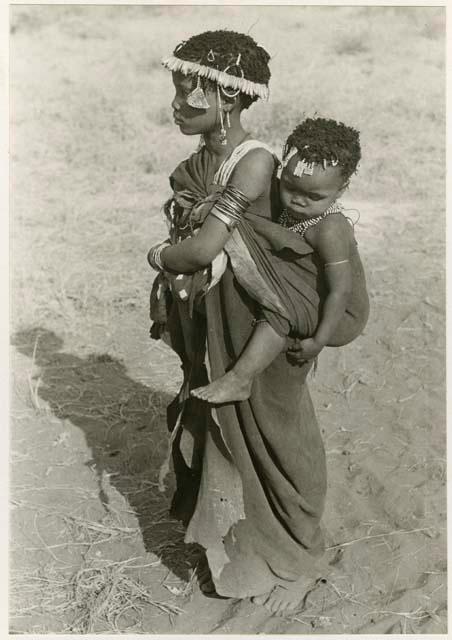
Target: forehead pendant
column 303, row 167
column 197, row 98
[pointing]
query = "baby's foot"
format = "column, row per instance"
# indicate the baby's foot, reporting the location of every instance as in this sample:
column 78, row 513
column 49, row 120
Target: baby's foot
column 229, row 388
column 285, row 600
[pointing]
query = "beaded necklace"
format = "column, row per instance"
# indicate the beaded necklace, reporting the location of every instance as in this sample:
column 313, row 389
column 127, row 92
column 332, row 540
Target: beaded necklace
column 293, row 224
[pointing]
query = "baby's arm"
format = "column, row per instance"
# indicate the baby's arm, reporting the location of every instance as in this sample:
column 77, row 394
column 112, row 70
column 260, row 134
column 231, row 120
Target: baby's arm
column 331, row 240
column 252, row 176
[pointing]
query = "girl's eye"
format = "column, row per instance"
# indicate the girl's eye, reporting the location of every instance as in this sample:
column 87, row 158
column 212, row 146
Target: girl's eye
column 182, row 92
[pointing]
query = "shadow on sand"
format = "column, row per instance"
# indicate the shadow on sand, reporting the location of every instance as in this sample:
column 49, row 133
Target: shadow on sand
column 124, row 423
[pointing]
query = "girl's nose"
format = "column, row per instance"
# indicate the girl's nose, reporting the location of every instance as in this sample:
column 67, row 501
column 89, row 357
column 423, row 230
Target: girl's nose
column 174, row 104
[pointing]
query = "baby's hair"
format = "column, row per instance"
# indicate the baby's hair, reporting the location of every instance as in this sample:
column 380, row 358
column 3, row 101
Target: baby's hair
column 224, row 47
column 319, row 139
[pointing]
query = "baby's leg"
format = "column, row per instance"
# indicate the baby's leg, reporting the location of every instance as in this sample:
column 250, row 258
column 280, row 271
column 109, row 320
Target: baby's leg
column 263, row 347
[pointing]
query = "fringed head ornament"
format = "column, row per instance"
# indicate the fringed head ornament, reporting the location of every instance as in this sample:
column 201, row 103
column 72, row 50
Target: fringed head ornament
column 231, row 60
column 324, row 142
column 303, row 166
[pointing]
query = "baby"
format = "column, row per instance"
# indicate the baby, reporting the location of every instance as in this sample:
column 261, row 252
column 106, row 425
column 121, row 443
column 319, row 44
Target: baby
column 318, row 160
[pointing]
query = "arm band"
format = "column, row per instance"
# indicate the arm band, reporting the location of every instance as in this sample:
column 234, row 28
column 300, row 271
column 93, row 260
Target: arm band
column 230, row 207
column 332, row 264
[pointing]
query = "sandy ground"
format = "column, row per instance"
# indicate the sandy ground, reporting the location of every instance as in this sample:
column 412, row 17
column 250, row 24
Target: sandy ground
column 92, row 548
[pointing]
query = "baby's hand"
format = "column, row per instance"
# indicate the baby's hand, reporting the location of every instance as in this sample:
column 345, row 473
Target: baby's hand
column 304, row 350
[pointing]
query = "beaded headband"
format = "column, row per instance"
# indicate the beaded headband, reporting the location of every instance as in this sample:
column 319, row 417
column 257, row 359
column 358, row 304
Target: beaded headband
column 222, row 78
column 303, row 166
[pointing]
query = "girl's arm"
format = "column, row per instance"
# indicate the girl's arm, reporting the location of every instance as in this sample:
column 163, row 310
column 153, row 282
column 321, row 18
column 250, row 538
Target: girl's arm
column 252, row 176
column 331, row 240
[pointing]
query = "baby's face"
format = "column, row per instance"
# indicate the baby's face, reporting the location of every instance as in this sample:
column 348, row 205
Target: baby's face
column 309, row 196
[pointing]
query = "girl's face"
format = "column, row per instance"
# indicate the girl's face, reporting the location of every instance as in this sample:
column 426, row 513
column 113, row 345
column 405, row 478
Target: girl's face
column 308, row 196
column 192, row 121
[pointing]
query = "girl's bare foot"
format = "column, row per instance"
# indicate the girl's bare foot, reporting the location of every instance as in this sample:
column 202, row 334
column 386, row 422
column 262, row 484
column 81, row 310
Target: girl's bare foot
column 229, row 388
column 284, row 600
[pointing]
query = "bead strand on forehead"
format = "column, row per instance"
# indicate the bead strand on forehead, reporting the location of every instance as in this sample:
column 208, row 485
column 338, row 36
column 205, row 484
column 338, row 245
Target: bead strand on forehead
column 231, row 60
column 293, row 224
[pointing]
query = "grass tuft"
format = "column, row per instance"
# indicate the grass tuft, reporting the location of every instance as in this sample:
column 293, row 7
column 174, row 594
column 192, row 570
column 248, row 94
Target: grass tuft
column 351, row 45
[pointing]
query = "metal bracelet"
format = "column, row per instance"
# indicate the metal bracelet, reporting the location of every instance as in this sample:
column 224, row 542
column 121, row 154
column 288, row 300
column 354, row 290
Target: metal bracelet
column 228, row 221
column 155, row 256
column 231, row 206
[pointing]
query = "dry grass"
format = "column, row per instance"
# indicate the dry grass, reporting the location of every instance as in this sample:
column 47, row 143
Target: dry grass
column 99, row 597
column 101, row 594
column 352, row 45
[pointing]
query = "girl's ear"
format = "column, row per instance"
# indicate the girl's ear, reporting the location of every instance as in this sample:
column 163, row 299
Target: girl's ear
column 229, row 104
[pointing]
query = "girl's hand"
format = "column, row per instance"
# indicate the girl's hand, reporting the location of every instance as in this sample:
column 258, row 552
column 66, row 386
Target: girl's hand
column 304, row 350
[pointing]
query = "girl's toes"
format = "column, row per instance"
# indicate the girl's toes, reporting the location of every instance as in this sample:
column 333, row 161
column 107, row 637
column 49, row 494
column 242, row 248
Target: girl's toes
column 283, row 609
column 274, row 606
column 260, row 600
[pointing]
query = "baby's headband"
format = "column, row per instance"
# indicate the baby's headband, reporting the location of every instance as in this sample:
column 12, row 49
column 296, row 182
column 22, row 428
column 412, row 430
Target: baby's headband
column 303, row 166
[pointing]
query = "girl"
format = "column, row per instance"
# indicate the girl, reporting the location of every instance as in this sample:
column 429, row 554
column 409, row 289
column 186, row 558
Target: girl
column 319, row 158
column 251, row 498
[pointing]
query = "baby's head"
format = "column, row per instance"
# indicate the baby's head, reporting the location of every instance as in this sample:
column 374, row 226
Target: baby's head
column 319, row 158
